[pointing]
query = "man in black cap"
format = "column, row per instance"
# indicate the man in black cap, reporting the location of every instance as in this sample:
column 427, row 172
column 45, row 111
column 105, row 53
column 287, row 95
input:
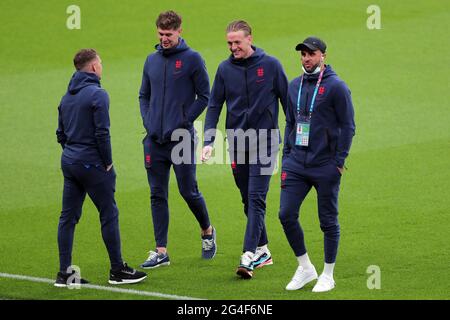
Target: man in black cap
column 319, row 130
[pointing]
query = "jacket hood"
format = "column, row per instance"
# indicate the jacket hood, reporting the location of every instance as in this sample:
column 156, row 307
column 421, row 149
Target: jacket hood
column 82, row 79
column 254, row 58
column 327, row 73
column 182, row 46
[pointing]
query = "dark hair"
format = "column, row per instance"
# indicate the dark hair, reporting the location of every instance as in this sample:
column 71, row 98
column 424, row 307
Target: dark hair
column 239, row 25
column 168, row 20
column 83, row 57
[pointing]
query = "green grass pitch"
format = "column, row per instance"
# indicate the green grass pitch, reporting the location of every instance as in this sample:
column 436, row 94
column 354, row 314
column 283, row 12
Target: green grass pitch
column 394, row 200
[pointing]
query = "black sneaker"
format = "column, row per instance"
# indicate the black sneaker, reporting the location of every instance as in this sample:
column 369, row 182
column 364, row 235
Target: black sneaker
column 64, row 279
column 126, row 275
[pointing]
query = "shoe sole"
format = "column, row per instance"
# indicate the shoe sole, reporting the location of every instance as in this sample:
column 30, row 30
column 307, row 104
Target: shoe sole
column 265, row 263
column 74, row 285
column 158, row 265
column 318, row 291
column 126, row 281
column 305, row 282
column 244, row 273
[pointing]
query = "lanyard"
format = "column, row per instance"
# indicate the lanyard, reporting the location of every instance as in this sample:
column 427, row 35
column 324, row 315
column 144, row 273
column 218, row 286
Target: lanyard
column 311, row 107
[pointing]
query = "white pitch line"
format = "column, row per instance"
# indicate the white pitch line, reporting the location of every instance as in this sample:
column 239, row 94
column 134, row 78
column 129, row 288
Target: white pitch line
column 96, row 287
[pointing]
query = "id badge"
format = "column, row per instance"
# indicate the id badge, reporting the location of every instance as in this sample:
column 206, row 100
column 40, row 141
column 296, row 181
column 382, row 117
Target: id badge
column 302, row 134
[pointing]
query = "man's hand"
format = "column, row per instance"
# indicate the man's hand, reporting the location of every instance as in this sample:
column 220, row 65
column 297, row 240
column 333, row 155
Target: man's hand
column 341, row 170
column 109, row 167
column 206, row 153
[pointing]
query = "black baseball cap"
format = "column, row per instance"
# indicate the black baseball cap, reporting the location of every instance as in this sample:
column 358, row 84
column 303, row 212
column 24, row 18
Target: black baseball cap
column 313, row 44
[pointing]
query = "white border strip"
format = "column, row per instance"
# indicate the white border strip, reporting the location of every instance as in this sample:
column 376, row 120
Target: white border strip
column 103, row 288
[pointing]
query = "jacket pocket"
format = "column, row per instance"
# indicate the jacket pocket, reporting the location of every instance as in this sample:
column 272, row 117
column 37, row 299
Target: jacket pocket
column 185, row 121
column 287, row 147
column 150, row 120
column 330, row 142
column 231, row 121
column 271, row 117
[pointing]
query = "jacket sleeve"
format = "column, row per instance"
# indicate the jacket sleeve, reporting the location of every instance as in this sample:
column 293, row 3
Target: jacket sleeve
column 101, row 124
column 214, row 108
column 281, row 86
column 60, row 135
column 290, row 125
column 144, row 93
column 345, row 116
column 201, row 83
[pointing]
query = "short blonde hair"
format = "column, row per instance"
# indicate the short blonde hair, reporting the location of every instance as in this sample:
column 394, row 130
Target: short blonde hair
column 239, row 25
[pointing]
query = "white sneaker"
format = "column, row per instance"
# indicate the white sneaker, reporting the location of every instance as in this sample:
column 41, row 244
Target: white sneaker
column 245, row 269
column 325, row 283
column 301, row 278
column 262, row 257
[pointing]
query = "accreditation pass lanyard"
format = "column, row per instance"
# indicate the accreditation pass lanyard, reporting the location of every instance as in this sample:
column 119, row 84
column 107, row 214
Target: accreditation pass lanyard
column 311, row 107
column 302, row 133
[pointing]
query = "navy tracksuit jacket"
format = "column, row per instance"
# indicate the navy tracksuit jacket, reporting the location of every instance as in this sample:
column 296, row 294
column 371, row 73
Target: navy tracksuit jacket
column 332, row 128
column 83, row 132
column 251, row 89
column 173, row 93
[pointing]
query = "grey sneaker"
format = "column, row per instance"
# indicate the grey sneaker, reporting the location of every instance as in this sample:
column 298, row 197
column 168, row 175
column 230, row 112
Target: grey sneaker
column 156, row 260
column 209, row 247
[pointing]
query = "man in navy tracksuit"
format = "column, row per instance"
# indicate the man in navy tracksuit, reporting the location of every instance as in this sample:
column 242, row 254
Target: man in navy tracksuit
column 174, row 92
column 319, row 130
column 86, row 162
column 251, row 83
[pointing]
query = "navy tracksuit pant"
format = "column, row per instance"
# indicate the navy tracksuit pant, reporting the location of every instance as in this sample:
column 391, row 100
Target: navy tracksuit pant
column 253, row 187
column 99, row 184
column 158, row 162
column 296, row 182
